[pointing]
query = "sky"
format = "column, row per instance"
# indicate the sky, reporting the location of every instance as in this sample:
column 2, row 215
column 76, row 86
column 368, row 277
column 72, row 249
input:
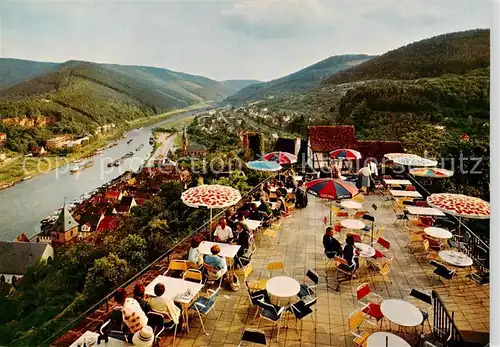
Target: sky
column 258, row 39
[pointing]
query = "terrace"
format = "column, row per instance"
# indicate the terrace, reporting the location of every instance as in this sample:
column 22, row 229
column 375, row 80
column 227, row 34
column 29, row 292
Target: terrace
column 299, row 245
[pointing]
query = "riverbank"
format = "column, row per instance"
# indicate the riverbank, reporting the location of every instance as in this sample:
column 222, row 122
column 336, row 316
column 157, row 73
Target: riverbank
column 16, row 169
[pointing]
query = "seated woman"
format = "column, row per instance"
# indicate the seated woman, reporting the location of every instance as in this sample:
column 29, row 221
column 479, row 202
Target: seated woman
column 332, row 246
column 164, row 304
column 265, row 209
column 290, row 182
column 280, row 207
column 255, row 214
column 215, row 260
column 282, row 189
column 194, row 255
column 349, row 252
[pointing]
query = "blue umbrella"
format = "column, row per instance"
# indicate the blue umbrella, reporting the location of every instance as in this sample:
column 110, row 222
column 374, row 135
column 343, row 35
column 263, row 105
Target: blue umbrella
column 262, row 165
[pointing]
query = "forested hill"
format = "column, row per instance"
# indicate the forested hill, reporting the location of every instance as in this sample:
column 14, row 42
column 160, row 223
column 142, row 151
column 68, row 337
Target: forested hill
column 13, row 71
column 456, row 53
column 306, row 78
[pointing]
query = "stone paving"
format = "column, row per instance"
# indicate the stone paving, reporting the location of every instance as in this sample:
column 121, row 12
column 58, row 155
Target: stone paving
column 300, row 247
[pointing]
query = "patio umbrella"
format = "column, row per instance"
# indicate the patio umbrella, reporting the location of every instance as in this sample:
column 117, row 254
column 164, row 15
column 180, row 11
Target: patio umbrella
column 431, row 172
column 397, row 155
column 282, row 158
column 211, row 196
column 460, row 205
column 414, row 161
column 332, row 189
column 262, row 165
column 345, row 153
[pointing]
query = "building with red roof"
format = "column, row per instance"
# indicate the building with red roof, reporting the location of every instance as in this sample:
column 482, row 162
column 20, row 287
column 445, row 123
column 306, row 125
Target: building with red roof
column 107, row 223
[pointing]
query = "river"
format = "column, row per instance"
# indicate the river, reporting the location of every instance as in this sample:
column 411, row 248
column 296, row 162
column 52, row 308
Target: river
column 24, row 205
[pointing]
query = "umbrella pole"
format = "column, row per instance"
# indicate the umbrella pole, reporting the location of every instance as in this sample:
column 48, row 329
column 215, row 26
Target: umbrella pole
column 210, row 224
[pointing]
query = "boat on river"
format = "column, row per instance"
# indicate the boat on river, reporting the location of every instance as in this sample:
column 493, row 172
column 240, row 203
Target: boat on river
column 27, row 178
column 128, row 142
column 140, row 147
column 128, row 155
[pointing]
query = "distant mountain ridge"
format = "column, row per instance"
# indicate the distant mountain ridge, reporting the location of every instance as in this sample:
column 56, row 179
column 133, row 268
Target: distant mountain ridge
column 13, row 71
column 457, row 53
column 306, row 78
column 79, row 96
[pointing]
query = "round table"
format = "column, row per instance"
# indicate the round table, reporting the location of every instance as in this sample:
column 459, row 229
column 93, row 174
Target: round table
column 378, row 340
column 352, row 224
column 438, row 233
column 351, row 204
column 283, row 286
column 456, row 258
column 366, row 251
column 401, row 312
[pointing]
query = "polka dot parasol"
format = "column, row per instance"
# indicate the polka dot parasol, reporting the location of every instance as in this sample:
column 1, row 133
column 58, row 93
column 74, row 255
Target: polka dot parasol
column 460, row 205
column 211, row 196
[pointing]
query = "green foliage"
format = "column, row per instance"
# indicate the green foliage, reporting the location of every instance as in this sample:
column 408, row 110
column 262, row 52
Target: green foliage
column 455, row 53
column 106, row 273
column 17, row 70
column 133, row 249
column 237, row 180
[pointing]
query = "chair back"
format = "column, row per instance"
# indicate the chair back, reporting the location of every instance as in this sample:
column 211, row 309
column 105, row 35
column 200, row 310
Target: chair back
column 313, row 276
column 422, row 296
column 342, row 214
column 275, row 265
column 210, row 270
column 384, row 243
column 410, row 188
column 254, row 336
column 155, row 321
column 427, row 220
column 355, row 236
column 360, row 214
column 415, row 238
column 426, row 245
column 421, row 203
column 177, row 265
column 193, row 275
column 339, row 260
column 363, row 291
column 359, row 198
column 355, row 320
column 338, row 228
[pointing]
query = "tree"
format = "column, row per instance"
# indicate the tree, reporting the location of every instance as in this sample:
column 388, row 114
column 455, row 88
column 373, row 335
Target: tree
column 105, row 275
column 133, row 249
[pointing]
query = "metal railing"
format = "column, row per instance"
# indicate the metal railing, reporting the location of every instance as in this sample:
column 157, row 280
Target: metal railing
column 469, row 242
column 444, row 327
column 203, row 229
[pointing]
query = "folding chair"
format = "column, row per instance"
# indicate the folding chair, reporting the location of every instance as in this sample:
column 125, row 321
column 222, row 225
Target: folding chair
column 417, row 298
column 256, row 295
column 176, row 265
column 354, row 321
column 344, row 270
column 253, row 336
column 309, row 291
column 301, row 310
column 193, row 275
column 205, row 305
column 442, row 271
column 156, row 322
column 272, row 313
column 371, row 304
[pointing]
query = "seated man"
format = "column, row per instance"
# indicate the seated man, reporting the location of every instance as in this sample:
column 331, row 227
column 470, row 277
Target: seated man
column 164, row 304
column 223, row 232
column 216, row 261
column 255, row 214
column 280, row 207
column 332, row 245
column 242, row 239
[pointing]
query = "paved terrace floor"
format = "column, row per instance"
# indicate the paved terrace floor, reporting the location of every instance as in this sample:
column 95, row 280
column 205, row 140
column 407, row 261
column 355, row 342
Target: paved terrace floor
column 300, row 246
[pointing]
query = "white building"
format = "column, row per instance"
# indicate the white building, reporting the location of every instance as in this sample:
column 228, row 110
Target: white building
column 16, row 257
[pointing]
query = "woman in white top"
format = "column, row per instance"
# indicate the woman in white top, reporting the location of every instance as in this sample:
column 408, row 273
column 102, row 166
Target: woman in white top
column 195, row 255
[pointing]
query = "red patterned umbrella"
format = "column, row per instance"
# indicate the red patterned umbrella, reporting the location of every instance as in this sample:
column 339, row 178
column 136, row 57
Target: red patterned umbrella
column 282, row 158
column 211, row 196
column 345, row 153
column 460, row 205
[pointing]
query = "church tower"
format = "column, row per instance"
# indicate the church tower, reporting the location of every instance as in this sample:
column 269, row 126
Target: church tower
column 184, row 141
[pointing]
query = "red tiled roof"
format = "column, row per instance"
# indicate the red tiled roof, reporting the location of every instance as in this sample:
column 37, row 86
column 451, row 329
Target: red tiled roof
column 123, row 208
column 107, row 223
column 326, row 138
column 112, row 194
column 377, row 149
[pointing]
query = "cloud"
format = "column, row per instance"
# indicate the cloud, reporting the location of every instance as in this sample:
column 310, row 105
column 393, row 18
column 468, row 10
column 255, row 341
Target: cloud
column 224, row 39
